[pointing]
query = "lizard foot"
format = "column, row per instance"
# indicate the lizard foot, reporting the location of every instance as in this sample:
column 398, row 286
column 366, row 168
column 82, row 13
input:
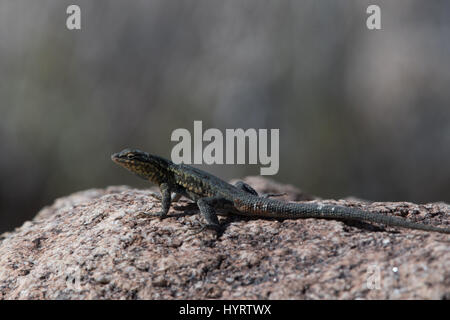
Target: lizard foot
column 215, row 227
column 154, row 194
column 158, row 214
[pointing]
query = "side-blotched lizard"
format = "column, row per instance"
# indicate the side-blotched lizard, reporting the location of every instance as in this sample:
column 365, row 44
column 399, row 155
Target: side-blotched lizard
column 213, row 195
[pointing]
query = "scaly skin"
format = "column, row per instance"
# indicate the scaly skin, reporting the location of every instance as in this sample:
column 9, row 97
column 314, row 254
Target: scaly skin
column 214, row 195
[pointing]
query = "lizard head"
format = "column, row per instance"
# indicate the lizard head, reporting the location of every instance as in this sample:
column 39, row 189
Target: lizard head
column 143, row 164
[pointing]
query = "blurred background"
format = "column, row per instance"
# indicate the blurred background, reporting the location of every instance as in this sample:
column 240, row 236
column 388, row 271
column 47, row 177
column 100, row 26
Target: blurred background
column 361, row 113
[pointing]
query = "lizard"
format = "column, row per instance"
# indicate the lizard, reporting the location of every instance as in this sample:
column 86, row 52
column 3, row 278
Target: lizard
column 215, row 196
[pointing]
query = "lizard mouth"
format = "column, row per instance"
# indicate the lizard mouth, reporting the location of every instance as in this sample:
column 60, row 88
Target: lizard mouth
column 122, row 161
column 118, row 159
column 115, row 157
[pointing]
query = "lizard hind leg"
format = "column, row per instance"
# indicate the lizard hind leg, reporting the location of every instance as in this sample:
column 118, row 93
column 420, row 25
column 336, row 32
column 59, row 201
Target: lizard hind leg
column 247, row 188
column 208, row 212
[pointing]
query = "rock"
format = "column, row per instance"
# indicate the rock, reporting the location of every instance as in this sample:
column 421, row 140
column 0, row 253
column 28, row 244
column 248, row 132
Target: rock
column 97, row 244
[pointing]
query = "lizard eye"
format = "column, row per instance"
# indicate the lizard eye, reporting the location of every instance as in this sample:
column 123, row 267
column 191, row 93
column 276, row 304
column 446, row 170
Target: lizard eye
column 130, row 156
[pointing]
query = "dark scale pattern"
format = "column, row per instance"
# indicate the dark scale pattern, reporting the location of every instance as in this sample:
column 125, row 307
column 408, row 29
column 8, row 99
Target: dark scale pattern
column 276, row 209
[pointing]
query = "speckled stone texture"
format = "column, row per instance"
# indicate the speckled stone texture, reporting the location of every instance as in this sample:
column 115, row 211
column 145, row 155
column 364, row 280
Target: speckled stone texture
column 97, row 244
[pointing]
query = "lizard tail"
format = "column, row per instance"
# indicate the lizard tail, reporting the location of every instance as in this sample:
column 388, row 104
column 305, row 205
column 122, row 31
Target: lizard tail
column 255, row 206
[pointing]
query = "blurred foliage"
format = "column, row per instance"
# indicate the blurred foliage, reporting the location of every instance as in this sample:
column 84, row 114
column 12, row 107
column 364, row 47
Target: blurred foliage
column 363, row 113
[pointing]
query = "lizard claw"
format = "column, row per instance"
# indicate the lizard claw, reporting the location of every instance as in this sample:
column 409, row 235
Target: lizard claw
column 215, row 227
column 158, row 214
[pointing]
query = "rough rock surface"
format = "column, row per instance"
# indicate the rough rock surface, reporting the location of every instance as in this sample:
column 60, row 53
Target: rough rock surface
column 96, row 244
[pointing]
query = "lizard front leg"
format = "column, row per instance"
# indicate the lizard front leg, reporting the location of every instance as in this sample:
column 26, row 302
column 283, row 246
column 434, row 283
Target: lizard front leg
column 166, row 200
